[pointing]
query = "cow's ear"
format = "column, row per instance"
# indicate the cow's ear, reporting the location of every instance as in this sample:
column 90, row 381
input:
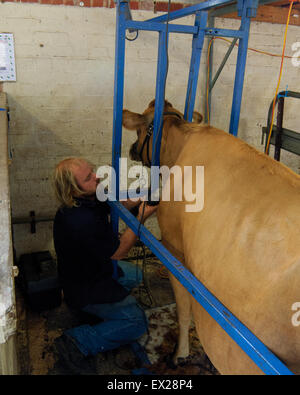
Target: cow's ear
column 168, row 104
column 151, row 104
column 197, row 117
column 132, row 120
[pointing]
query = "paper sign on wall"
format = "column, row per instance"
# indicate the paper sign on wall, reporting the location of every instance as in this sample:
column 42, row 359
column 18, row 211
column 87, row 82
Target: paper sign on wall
column 7, row 57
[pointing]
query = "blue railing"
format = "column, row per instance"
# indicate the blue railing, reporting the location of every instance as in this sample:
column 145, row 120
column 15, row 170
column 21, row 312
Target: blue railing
column 251, row 345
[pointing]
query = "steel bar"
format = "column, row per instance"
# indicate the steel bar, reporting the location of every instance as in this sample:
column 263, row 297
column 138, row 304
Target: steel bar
column 228, row 9
column 223, row 32
column 162, row 70
column 205, row 6
column 197, row 45
column 121, row 16
column 28, row 220
column 290, row 139
column 240, row 71
column 185, row 29
column 160, row 27
column 278, row 140
column 218, row 72
column 207, row 111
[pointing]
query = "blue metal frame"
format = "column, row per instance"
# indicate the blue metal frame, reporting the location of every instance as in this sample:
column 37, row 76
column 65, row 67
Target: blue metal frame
column 246, row 9
column 197, row 45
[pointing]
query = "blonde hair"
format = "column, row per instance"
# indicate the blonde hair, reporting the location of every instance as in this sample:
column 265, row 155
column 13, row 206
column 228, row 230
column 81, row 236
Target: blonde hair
column 65, row 185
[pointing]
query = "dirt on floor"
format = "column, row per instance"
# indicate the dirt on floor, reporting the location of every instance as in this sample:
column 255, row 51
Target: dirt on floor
column 37, row 332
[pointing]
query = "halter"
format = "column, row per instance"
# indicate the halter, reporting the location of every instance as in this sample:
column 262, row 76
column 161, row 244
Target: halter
column 149, row 134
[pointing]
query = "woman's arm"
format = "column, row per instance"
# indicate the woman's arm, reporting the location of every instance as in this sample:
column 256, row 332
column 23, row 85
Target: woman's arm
column 129, row 204
column 129, row 238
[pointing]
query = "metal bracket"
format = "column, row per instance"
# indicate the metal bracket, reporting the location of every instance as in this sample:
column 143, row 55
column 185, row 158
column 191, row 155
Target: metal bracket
column 252, row 10
column 283, row 94
column 32, row 223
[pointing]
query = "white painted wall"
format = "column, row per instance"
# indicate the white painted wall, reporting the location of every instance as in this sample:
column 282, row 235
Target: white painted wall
column 262, row 73
column 61, row 104
column 7, row 296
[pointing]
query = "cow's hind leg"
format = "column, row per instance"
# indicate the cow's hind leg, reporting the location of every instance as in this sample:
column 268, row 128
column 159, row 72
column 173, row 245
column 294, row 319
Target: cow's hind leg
column 183, row 306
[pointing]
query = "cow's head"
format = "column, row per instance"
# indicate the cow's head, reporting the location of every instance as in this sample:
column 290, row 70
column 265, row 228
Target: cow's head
column 141, row 150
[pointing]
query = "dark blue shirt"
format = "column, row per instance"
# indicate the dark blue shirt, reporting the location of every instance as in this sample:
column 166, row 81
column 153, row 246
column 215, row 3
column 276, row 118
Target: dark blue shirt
column 84, row 242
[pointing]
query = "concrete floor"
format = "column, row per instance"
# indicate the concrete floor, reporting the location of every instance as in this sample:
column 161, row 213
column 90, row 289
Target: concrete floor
column 37, row 331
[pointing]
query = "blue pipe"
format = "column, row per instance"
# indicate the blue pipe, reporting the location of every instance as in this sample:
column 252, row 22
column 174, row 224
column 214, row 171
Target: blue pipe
column 240, row 70
column 197, row 45
column 162, row 71
column 122, row 14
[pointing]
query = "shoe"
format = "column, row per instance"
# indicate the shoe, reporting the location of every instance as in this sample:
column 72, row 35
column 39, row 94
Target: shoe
column 71, row 358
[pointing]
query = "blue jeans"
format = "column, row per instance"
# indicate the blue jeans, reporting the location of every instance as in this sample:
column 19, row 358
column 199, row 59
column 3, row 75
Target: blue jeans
column 124, row 321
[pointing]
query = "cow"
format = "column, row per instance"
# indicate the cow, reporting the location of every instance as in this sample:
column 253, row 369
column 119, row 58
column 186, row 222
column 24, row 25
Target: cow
column 244, row 245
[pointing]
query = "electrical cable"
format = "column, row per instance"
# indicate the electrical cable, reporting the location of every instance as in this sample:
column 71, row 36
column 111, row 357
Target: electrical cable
column 141, row 220
column 145, row 281
column 253, row 49
column 146, row 287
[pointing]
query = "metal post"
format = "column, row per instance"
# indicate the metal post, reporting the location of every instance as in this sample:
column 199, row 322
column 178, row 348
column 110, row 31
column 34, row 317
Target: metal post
column 197, row 46
column 121, row 11
column 162, row 70
column 214, row 80
column 240, row 66
column 207, row 107
column 278, row 140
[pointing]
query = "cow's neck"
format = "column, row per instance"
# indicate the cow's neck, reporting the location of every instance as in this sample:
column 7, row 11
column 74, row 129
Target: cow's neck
column 171, row 145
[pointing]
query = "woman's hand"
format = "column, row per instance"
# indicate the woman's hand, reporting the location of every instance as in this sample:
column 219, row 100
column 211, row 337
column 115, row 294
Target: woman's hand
column 130, row 204
column 145, row 211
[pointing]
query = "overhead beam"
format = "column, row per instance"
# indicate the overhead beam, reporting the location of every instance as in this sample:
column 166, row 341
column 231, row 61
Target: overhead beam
column 232, row 7
column 282, row 3
column 271, row 14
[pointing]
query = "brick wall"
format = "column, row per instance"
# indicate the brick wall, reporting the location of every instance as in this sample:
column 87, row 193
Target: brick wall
column 61, row 104
column 154, row 6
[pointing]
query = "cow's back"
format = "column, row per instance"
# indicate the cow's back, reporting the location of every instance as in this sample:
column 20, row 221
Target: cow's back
column 244, row 245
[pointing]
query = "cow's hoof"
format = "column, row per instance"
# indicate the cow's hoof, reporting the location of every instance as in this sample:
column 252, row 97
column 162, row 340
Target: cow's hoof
column 183, row 361
column 169, row 361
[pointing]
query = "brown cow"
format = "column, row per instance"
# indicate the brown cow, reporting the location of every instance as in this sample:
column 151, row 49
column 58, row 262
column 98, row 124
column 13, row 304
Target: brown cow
column 244, row 246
